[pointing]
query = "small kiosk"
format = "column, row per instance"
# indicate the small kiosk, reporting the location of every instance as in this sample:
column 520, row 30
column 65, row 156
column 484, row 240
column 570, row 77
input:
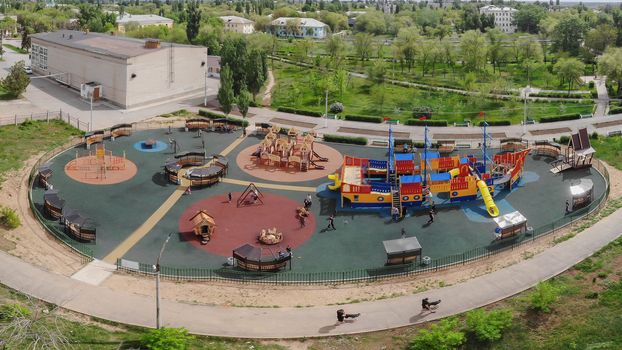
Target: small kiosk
column 510, row 225
column 582, row 194
column 402, row 250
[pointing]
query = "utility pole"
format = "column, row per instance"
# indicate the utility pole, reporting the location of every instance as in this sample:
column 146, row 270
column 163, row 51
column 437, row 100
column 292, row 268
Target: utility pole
column 526, row 92
column 206, row 68
column 157, row 269
column 326, row 110
column 91, row 124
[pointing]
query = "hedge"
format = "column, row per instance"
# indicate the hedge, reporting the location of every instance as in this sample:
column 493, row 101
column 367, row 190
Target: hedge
column 559, row 95
column 300, row 111
column 345, row 139
column 363, row 118
column 558, row 118
column 499, row 122
column 426, row 122
column 230, row 120
column 615, row 110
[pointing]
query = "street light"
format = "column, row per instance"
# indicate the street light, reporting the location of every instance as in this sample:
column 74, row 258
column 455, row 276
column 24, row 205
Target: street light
column 205, row 76
column 91, row 124
column 157, row 269
column 526, row 92
column 326, row 110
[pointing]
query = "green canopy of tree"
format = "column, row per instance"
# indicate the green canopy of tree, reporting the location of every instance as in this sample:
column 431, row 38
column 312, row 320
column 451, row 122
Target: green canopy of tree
column 569, row 70
column 16, row 82
column 610, row 64
column 226, row 98
column 194, row 20
column 528, row 18
column 474, row 50
column 568, row 34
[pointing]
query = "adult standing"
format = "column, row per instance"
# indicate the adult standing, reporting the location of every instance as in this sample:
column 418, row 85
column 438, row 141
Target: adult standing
column 331, row 222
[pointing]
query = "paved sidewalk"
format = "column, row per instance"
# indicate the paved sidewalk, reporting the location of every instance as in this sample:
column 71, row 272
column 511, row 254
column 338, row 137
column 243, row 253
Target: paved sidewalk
column 135, row 309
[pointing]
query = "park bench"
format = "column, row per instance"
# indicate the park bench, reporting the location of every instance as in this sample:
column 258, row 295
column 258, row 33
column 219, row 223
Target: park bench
column 379, row 142
column 615, row 133
column 530, row 121
column 583, row 116
column 465, row 123
column 463, row 145
column 392, row 122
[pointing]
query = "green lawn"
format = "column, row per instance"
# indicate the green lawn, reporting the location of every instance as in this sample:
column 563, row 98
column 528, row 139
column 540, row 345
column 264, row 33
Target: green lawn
column 294, row 88
column 609, row 149
column 18, row 143
column 15, row 48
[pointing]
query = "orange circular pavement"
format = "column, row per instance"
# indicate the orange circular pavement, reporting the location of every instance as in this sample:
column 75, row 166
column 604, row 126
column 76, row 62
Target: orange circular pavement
column 238, row 226
column 93, row 171
column 252, row 167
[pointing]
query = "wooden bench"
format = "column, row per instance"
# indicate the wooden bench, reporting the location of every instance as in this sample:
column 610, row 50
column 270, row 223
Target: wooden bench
column 530, row 122
column 377, row 142
column 463, row 145
column 615, row 133
column 584, row 116
column 465, row 123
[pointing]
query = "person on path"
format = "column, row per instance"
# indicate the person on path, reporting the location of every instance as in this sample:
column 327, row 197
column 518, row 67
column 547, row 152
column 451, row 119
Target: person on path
column 395, row 212
column 188, row 190
column 331, row 222
column 433, row 207
column 229, row 196
column 341, row 315
column 308, row 201
column 567, row 207
column 427, row 305
column 431, row 215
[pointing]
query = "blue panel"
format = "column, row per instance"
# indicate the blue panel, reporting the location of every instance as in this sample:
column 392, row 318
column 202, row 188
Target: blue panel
column 430, row 155
column 464, row 160
column 382, row 187
column 377, row 164
column 409, row 179
column 440, row 177
column 404, row 156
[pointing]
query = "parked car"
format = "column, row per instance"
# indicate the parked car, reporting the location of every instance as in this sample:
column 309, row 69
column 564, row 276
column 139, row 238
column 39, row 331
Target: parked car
column 28, row 70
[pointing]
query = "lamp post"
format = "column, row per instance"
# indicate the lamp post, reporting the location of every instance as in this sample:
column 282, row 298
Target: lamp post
column 157, row 269
column 326, row 110
column 91, row 124
column 526, row 92
column 205, row 77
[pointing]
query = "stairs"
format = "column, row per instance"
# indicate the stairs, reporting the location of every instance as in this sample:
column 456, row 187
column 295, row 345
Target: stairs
column 397, row 203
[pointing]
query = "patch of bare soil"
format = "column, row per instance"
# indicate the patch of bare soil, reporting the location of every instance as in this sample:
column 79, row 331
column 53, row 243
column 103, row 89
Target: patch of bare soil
column 30, row 241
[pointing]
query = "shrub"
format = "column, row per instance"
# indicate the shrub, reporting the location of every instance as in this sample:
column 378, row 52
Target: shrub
column 12, row 311
column 363, row 118
column 230, row 120
column 543, row 296
column 345, row 139
column 441, row 336
column 167, row 339
column 9, row 218
column 559, row 118
column 498, row 122
column 616, row 110
column 559, row 95
column 488, row 326
column 594, row 136
column 426, row 122
column 422, row 111
column 563, row 140
column 299, row 111
column 336, row 108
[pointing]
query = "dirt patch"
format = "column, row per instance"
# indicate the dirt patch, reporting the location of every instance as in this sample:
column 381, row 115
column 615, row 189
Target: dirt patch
column 549, row 131
column 607, row 124
column 293, row 122
column 30, row 241
column 494, row 135
column 383, row 133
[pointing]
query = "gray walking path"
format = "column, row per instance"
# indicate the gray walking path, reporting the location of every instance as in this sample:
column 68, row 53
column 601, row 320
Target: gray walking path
column 246, row 322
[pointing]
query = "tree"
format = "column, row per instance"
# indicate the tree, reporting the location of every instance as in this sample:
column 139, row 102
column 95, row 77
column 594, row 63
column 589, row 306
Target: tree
column 496, row 49
column 16, row 82
column 341, row 81
column 474, row 50
column 440, row 336
column 598, row 39
column 335, row 47
column 26, row 38
column 226, row 98
column 569, row 70
column 530, row 52
column 256, row 73
column 543, row 296
column 167, row 339
column 194, row 20
column 363, row 45
column 244, row 101
column 488, row 326
column 528, row 18
column 372, row 22
column 610, row 64
column 568, row 34
column 26, row 325
column 406, row 42
column 377, row 72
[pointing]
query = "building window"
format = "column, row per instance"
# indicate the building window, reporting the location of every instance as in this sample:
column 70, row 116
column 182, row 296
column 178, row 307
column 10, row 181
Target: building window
column 39, row 57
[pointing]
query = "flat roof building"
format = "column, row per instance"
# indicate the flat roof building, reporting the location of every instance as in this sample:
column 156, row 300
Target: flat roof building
column 299, row 27
column 131, row 72
column 142, row 21
column 504, row 17
column 238, row 24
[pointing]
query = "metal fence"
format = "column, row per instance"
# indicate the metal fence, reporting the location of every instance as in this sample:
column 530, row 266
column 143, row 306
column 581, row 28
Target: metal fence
column 82, row 249
column 17, row 119
column 371, row 274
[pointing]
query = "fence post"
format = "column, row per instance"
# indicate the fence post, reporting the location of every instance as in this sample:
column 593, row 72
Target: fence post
column 31, row 118
column 60, row 113
column 47, row 117
column 16, row 119
column 78, row 124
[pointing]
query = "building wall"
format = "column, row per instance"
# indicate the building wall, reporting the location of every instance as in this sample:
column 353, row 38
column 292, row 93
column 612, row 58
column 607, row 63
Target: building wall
column 305, row 32
column 121, row 26
column 504, row 19
column 152, row 81
column 83, row 67
column 244, row 28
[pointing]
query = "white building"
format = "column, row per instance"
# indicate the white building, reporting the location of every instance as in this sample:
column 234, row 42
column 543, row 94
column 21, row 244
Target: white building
column 504, row 17
column 238, row 24
column 142, row 21
column 130, row 72
column 299, row 27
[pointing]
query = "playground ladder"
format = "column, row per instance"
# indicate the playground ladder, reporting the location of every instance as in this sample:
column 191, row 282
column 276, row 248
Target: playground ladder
column 397, row 203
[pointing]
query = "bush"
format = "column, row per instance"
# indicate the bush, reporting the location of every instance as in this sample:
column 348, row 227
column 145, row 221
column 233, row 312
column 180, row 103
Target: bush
column 426, row 122
column 616, row 110
column 488, row 326
column 559, row 118
column 563, row 140
column 363, row 118
column 9, row 218
column 543, row 296
column 594, row 136
column 345, row 139
column 300, row 111
column 591, row 84
column 12, row 311
column 230, row 120
column 336, row 108
column 558, row 95
column 441, row 336
column 167, row 339
column 498, row 122
column 422, row 111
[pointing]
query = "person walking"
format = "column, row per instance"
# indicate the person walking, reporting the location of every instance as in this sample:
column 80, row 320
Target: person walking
column 395, row 212
column 229, row 196
column 567, row 207
column 331, row 222
column 309, row 201
column 433, row 207
column 431, row 215
column 341, row 315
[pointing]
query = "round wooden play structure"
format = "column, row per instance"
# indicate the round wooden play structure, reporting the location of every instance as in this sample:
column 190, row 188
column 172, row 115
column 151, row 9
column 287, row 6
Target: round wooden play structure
column 100, row 167
column 293, row 150
column 270, row 236
column 204, row 171
column 248, row 257
column 204, row 226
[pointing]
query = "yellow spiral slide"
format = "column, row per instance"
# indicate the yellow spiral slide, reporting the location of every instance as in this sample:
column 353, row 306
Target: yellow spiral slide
column 337, row 185
column 491, row 207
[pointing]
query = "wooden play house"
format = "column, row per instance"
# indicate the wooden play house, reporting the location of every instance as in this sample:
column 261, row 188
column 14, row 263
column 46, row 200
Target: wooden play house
column 578, row 154
column 203, row 225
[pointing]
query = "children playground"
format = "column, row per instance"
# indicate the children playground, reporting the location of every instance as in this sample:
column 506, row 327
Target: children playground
column 265, row 201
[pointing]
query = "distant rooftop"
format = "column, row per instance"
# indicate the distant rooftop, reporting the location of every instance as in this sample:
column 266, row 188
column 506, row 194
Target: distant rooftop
column 105, row 44
column 236, row 20
column 304, row 22
column 497, row 8
column 143, row 19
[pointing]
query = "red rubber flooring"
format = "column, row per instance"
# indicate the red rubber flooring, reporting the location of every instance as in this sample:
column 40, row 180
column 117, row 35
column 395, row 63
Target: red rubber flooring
column 238, row 226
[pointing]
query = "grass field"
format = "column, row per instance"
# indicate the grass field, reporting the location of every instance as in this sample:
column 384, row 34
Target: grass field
column 294, row 88
column 609, row 149
column 15, row 48
column 4, row 95
column 18, row 143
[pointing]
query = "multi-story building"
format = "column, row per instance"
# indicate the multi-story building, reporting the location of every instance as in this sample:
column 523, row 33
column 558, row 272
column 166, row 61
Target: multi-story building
column 238, row 24
column 142, row 20
column 129, row 72
column 504, row 17
column 299, row 27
